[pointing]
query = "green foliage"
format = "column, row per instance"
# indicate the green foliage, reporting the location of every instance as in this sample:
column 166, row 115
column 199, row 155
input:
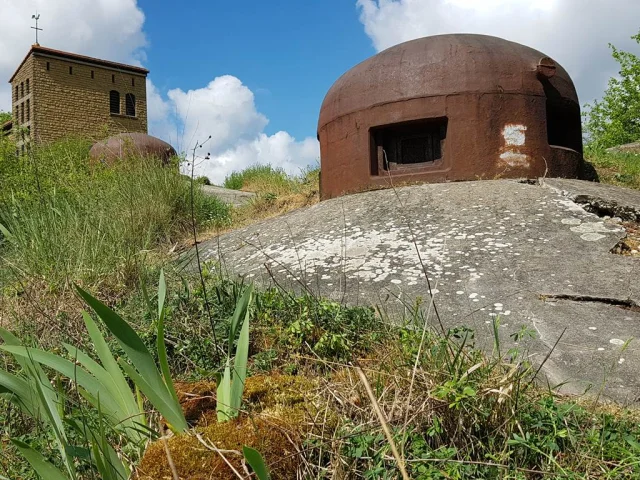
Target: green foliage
column 4, row 117
column 329, row 329
column 32, row 391
column 615, row 120
column 618, row 168
column 231, row 382
column 142, row 369
column 67, row 219
column 256, row 462
column 262, row 179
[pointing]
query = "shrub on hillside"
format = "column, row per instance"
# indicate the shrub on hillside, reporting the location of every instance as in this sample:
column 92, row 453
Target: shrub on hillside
column 67, row 219
column 615, row 119
column 260, row 177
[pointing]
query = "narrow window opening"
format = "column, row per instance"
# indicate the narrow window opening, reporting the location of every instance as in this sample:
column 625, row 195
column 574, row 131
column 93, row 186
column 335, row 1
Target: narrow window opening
column 564, row 127
column 130, row 104
column 114, row 102
column 407, row 146
column 133, row 82
column 48, row 66
column 92, row 75
column 16, row 115
column 28, row 110
column 28, row 86
column 15, row 95
column 113, row 79
column 21, row 89
column 70, row 70
column 22, row 113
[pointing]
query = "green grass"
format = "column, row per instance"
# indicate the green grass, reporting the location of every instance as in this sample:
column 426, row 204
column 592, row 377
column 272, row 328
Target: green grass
column 617, row 168
column 276, row 192
column 67, row 220
column 260, row 177
column 453, row 410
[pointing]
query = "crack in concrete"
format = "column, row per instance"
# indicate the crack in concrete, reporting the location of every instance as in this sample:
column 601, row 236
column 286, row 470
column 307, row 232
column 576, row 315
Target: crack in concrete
column 625, row 304
column 605, row 208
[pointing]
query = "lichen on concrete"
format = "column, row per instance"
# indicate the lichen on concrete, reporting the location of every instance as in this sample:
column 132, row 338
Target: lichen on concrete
column 489, row 248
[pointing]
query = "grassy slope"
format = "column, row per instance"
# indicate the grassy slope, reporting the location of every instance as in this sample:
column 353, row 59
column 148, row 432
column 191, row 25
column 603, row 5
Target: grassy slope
column 276, row 192
column 468, row 415
column 621, row 169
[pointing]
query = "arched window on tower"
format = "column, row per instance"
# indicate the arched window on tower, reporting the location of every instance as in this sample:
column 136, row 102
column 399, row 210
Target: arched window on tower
column 114, row 102
column 130, row 104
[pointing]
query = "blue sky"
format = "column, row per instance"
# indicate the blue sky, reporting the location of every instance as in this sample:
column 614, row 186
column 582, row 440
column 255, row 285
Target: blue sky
column 252, row 74
column 288, row 52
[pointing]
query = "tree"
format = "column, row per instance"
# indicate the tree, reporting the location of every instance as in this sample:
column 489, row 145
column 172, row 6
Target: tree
column 615, row 119
column 4, row 117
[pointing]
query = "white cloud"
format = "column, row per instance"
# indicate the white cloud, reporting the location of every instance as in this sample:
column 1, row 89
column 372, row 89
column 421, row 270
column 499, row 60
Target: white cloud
column 574, row 32
column 113, row 29
column 226, row 111
column 109, row 29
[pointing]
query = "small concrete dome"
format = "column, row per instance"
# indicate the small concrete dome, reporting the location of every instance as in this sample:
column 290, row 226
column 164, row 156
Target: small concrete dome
column 448, row 108
column 124, row 145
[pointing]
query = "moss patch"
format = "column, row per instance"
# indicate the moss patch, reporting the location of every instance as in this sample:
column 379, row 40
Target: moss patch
column 270, row 436
column 279, row 413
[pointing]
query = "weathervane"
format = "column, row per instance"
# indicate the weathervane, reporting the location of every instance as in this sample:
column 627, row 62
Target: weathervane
column 36, row 17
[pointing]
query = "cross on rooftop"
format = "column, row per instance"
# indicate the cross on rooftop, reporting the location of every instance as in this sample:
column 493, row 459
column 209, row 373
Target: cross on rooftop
column 36, row 17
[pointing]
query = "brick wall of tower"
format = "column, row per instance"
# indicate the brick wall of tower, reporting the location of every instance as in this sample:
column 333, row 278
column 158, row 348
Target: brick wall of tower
column 72, row 98
column 22, row 101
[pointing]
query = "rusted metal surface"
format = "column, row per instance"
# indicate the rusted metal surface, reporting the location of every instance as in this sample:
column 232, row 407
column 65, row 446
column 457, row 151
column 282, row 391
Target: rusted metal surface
column 124, row 145
column 447, row 108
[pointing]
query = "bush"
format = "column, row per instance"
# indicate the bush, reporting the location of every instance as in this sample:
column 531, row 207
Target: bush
column 65, row 219
column 260, row 178
column 615, row 120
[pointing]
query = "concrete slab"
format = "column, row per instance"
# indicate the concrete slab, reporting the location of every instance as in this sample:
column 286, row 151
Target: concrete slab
column 527, row 254
column 608, row 200
column 234, row 197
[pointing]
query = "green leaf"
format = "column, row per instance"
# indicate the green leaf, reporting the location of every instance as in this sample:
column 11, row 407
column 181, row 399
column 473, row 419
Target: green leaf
column 128, row 339
column 145, row 374
column 70, row 370
column 6, row 233
column 42, row 398
column 240, row 363
column 43, row 468
column 160, row 345
column 223, row 397
column 238, row 315
column 161, row 400
column 256, row 462
column 111, row 366
column 18, row 391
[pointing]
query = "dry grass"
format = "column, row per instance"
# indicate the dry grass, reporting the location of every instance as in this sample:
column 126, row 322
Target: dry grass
column 276, row 194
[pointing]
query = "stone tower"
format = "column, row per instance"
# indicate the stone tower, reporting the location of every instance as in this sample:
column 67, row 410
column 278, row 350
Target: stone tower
column 55, row 94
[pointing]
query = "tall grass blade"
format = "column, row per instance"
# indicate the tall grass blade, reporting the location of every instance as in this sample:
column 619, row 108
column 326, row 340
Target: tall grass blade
column 127, row 399
column 240, row 363
column 256, row 462
column 144, row 371
column 160, row 345
column 42, row 467
column 223, row 400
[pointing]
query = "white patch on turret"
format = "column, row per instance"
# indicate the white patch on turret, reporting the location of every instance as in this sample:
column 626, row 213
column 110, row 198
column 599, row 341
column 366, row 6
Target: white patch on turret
column 514, row 135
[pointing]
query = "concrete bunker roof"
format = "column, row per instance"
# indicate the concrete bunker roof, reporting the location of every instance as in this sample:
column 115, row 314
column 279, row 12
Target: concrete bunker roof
column 441, row 65
column 74, row 57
